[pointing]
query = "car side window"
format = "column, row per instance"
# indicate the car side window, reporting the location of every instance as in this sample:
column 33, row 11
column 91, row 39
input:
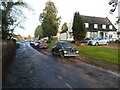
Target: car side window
column 57, row 45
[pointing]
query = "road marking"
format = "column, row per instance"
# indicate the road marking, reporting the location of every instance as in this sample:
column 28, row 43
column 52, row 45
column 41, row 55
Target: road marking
column 68, row 86
column 59, row 77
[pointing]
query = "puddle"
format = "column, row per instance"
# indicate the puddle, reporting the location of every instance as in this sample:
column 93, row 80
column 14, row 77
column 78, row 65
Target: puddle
column 91, row 74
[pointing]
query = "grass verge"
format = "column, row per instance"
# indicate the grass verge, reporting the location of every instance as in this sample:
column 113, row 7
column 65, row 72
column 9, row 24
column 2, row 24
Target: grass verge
column 100, row 53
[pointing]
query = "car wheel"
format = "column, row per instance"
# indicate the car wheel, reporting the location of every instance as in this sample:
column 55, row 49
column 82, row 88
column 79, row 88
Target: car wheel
column 97, row 44
column 107, row 43
column 53, row 53
column 61, row 55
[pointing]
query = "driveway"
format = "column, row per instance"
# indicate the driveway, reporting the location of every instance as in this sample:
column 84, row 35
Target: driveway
column 33, row 69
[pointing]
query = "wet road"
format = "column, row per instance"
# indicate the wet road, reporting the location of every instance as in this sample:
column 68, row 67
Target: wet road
column 33, row 69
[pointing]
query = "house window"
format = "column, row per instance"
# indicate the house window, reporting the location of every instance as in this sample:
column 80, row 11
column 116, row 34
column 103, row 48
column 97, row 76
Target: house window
column 86, row 25
column 110, row 27
column 104, row 26
column 93, row 34
column 95, row 25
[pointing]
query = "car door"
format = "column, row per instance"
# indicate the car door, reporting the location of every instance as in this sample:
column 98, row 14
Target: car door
column 101, row 41
column 57, row 48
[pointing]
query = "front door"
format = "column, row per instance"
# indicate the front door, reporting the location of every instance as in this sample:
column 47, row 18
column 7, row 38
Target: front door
column 101, row 34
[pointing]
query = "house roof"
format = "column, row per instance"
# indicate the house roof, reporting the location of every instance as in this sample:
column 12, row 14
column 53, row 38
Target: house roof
column 99, row 21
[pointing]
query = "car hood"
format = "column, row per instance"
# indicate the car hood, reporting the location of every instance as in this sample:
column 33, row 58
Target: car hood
column 68, row 49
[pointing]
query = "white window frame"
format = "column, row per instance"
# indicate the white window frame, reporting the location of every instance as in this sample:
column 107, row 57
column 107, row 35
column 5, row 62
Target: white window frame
column 87, row 25
column 110, row 27
column 95, row 25
column 104, row 26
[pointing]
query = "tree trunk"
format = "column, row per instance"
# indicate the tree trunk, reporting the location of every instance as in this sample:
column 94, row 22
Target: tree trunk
column 49, row 39
column 78, row 42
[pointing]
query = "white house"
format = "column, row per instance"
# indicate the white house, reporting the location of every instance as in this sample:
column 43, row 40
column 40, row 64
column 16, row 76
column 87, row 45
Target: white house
column 95, row 26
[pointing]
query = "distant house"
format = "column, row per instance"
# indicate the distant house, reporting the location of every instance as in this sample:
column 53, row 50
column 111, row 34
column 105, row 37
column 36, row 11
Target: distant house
column 96, row 27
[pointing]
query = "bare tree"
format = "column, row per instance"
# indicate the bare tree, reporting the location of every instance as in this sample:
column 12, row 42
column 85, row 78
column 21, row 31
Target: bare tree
column 12, row 16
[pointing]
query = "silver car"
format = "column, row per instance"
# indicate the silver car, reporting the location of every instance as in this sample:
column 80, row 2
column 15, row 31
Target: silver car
column 99, row 41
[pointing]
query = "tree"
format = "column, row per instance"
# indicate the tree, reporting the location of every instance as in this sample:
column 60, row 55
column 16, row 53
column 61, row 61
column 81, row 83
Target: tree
column 12, row 16
column 38, row 32
column 114, row 4
column 64, row 27
column 50, row 21
column 29, row 37
column 78, row 28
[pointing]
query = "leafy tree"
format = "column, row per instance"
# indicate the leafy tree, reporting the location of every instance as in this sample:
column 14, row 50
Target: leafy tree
column 78, row 28
column 29, row 37
column 12, row 16
column 49, row 20
column 38, row 32
column 64, row 27
column 114, row 4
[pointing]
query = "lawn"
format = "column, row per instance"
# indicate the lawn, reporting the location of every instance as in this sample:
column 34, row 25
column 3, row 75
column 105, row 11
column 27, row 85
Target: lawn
column 52, row 43
column 100, row 53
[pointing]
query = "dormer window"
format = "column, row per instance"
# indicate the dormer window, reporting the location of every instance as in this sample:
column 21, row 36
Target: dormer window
column 86, row 25
column 104, row 26
column 95, row 25
column 110, row 27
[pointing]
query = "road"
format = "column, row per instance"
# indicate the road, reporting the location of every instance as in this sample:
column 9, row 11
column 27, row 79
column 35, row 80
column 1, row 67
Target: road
column 33, row 69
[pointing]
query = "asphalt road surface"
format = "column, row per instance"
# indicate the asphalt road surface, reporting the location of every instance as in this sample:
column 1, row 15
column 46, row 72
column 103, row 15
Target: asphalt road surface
column 33, row 69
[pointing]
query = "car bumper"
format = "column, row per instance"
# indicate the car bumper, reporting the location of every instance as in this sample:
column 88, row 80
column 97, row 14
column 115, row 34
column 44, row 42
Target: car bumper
column 71, row 55
column 91, row 43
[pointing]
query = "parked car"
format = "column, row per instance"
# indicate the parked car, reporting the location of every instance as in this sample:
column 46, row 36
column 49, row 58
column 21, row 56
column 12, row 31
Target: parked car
column 35, row 43
column 99, row 41
column 117, row 40
column 63, row 49
column 42, row 44
column 32, row 42
column 85, row 40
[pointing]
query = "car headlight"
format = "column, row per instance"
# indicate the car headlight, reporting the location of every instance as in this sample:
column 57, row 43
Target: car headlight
column 65, row 51
column 77, row 52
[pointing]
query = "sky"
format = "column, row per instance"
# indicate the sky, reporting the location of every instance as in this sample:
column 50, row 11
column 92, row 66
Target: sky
column 66, row 8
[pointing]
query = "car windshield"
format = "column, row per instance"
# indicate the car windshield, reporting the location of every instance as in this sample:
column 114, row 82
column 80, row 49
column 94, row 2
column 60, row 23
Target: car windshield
column 66, row 45
column 42, row 42
column 87, row 39
column 96, row 38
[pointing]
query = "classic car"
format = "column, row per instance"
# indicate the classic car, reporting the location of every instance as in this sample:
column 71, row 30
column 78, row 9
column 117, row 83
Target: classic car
column 63, row 49
column 42, row 44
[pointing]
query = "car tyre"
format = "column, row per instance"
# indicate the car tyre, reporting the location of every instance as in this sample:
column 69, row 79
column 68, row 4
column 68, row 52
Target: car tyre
column 61, row 55
column 107, row 43
column 53, row 53
column 96, row 44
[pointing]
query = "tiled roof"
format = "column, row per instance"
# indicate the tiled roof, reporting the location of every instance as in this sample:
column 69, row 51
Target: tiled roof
column 97, row 20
